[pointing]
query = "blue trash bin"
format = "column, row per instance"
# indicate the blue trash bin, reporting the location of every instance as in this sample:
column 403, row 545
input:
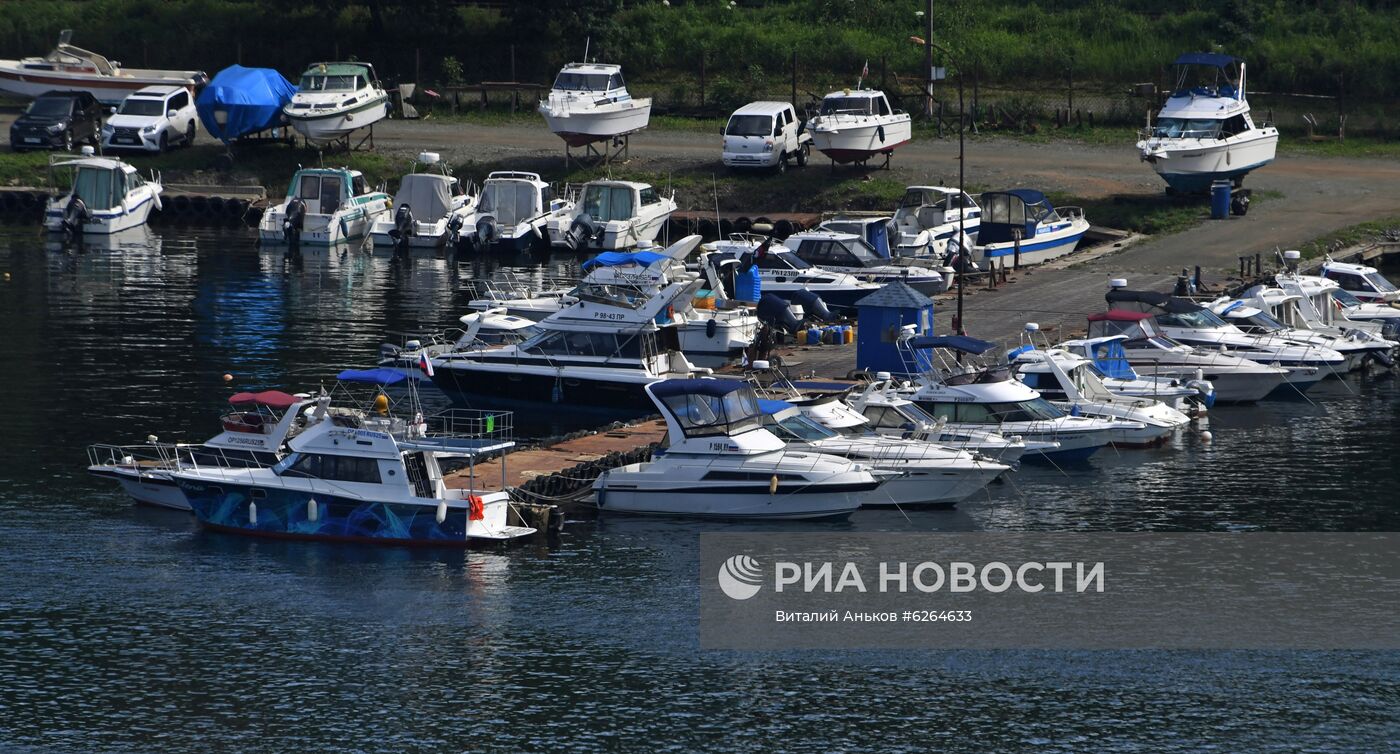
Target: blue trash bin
column 1220, row 199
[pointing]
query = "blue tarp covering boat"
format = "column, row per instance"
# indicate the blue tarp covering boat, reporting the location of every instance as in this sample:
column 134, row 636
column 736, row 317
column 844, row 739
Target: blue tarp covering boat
column 253, row 98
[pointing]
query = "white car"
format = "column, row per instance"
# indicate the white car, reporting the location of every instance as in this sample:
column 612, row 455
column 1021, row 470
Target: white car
column 765, row 135
column 152, row 119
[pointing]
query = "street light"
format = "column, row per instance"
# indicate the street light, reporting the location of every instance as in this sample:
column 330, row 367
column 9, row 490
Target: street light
column 963, row 251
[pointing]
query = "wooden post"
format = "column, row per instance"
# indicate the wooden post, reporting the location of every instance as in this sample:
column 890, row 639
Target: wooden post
column 794, row 78
column 1069, row 79
column 702, row 78
column 882, row 73
column 515, row 93
column 1016, row 249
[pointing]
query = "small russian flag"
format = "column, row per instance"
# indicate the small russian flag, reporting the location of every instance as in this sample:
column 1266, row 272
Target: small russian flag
column 425, row 363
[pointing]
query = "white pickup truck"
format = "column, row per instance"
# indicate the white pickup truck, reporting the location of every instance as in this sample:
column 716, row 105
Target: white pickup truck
column 765, row 135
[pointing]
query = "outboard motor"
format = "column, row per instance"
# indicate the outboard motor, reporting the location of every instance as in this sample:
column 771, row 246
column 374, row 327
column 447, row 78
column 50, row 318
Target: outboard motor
column 74, row 216
column 293, row 221
column 774, row 311
column 813, row 305
column 403, row 226
column 486, row 232
column 454, row 229
column 580, row 232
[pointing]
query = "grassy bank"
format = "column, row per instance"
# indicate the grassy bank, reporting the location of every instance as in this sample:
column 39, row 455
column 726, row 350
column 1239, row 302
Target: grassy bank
column 1385, row 229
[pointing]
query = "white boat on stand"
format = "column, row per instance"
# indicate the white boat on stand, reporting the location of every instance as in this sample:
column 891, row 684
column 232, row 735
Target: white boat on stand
column 69, row 68
column 1205, row 132
column 336, row 99
column 722, row 463
column 426, row 208
column 103, row 196
column 589, row 103
column 323, row 207
column 855, row 125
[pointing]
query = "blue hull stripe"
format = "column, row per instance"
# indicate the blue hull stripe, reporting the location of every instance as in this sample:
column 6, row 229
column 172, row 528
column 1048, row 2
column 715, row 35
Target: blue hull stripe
column 1027, row 248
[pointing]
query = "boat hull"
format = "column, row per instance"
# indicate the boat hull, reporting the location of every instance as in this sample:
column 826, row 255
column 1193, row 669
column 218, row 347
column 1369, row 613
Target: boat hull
column 285, row 513
column 857, row 143
column 147, row 488
column 579, row 129
column 1051, row 245
column 1230, row 387
column 105, row 222
column 929, row 488
column 325, row 127
column 1189, row 166
column 106, row 89
column 464, row 381
column 742, row 502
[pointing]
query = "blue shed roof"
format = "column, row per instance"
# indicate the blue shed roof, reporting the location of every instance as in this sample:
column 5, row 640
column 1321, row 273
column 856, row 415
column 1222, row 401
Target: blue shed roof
column 896, row 295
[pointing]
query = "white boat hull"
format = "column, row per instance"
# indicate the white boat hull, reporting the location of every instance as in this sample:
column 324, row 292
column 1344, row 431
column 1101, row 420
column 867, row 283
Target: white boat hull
column 1056, row 241
column 30, row 83
column 145, row 487
column 324, row 230
column 582, row 125
column 323, row 126
column 107, row 222
column 857, row 142
column 1190, row 165
column 930, row 487
column 632, row 494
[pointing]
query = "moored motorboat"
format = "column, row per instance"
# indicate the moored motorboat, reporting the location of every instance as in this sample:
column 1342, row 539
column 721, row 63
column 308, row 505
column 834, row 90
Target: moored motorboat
column 851, row 254
column 722, row 463
column 336, row 99
column 928, row 216
column 1364, row 282
column 104, row 196
column 72, row 68
column 323, row 207
column 611, row 216
column 514, row 212
column 427, row 208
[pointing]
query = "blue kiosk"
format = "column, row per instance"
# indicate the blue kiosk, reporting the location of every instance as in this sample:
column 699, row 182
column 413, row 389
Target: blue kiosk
column 881, row 317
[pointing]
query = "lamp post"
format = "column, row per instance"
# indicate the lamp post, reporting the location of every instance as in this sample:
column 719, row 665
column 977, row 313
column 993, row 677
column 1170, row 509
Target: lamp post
column 963, row 251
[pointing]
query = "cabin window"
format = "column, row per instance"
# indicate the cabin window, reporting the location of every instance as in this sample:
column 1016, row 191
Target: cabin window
column 853, row 105
column 330, row 195
column 310, row 187
column 606, row 203
column 649, row 196
column 358, row 182
column 334, row 468
column 615, row 81
column 587, row 82
column 706, row 415
column 884, row 106
column 603, row 345
column 100, row 189
column 510, row 202
column 1234, row 125
column 883, row 417
column 1184, row 128
column 320, row 82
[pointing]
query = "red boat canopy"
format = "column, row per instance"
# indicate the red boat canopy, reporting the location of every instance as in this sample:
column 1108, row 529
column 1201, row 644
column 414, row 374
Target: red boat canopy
column 275, row 399
column 1119, row 315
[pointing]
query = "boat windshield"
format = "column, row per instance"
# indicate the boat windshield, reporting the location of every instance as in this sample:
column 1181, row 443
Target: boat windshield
column 50, row 107
column 607, row 203
column 778, row 260
column 587, row 82
column 1380, row 282
column 1036, row 409
column 322, row 82
column 1186, row 128
column 799, row 427
column 855, row 105
column 1344, row 298
column 750, row 125
column 511, row 202
column 1262, row 322
column 1201, row 319
column 709, row 415
column 142, row 106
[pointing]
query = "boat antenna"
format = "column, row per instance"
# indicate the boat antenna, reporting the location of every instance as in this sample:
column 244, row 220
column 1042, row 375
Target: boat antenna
column 714, row 187
column 586, row 42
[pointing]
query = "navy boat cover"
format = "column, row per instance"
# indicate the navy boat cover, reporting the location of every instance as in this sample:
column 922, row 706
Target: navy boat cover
column 252, row 97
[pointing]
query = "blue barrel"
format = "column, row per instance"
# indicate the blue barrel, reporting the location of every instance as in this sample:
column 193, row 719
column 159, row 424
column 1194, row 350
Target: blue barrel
column 747, row 285
column 1219, row 200
column 814, row 337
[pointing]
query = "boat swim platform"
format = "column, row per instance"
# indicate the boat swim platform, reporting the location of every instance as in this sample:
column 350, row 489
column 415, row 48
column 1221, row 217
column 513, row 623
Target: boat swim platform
column 563, row 466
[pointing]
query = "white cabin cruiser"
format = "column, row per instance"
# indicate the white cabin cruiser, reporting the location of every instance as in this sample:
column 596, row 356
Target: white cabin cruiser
column 600, row 351
column 103, row 196
column 1111, row 364
column 335, row 99
column 375, row 479
column 1204, row 132
column 925, row 473
column 928, row 216
column 1022, row 225
column 722, row 463
column 589, row 102
column 70, row 68
column 1325, row 307
column 1273, row 312
column 1071, row 381
column 1365, row 283
column 515, row 211
column 851, row 254
column 1190, row 323
column 783, row 273
column 426, row 208
column 890, row 413
column 1147, row 351
column 855, row 125
column 254, row 433
column 612, row 216
column 965, row 392
column 323, row 207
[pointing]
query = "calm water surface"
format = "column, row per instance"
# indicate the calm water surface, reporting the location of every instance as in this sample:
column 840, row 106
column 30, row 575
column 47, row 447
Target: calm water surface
column 126, row 629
